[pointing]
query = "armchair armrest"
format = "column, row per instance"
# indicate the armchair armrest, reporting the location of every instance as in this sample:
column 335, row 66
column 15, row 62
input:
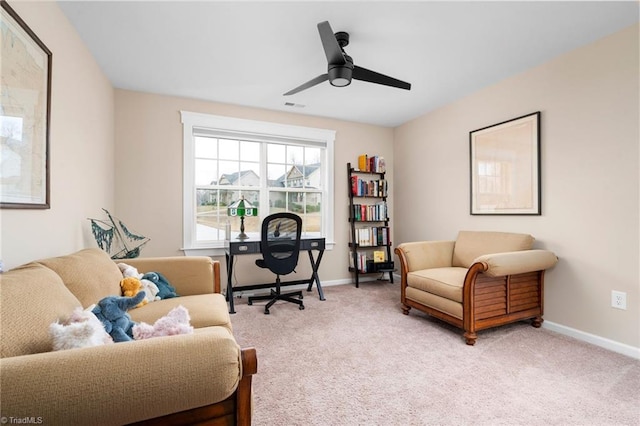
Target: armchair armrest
column 190, row 275
column 425, row 254
column 516, row 262
column 124, row 382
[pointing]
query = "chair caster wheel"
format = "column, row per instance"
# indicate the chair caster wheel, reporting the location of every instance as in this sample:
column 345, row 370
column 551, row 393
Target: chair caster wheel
column 301, row 307
column 266, row 312
column 301, row 297
column 249, row 302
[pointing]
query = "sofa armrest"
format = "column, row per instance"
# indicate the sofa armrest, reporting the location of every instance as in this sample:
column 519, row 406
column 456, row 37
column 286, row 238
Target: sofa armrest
column 123, row 382
column 425, row 254
column 516, row 262
column 190, row 275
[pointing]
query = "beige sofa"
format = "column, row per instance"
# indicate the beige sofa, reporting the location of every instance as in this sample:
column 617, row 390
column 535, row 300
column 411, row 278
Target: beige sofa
column 478, row 281
column 184, row 379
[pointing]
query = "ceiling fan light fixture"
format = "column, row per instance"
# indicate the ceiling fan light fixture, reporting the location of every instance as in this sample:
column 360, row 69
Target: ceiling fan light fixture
column 340, row 82
column 340, row 76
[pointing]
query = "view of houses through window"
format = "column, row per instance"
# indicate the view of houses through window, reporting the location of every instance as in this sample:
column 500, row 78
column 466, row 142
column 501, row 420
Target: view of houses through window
column 273, row 177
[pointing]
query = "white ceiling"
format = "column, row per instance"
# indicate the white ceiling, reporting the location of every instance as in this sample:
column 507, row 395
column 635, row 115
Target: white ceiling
column 250, row 53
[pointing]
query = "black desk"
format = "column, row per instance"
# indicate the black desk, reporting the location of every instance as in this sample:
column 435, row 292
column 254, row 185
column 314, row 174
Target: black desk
column 252, row 246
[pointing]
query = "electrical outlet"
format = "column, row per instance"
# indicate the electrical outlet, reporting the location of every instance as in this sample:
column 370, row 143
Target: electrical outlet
column 618, row 299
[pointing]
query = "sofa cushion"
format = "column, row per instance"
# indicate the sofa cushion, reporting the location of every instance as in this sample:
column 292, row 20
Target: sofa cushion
column 471, row 244
column 125, row 382
column 205, row 310
column 31, row 298
column 445, row 282
column 90, row 274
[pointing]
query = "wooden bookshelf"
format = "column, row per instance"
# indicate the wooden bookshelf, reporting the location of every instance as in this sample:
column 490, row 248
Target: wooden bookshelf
column 370, row 238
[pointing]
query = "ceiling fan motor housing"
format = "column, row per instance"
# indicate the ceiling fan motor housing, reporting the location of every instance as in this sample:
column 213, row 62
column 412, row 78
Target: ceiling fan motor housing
column 340, row 75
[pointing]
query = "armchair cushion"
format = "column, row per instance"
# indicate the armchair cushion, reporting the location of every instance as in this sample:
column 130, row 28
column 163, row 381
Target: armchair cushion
column 428, row 254
column 32, row 297
column 439, row 303
column 444, row 282
column 471, row 244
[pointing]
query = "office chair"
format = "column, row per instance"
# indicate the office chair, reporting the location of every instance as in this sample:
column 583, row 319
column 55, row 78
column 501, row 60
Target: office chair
column 280, row 246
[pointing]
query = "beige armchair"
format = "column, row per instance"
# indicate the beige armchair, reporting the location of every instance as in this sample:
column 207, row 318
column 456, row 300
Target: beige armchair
column 480, row 280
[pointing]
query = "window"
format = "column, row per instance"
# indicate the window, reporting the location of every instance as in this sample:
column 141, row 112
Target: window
column 275, row 167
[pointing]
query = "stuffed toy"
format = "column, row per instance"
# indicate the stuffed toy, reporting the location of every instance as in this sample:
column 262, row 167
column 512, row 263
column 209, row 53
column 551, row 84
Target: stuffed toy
column 130, row 287
column 175, row 322
column 112, row 312
column 150, row 289
column 129, row 271
column 165, row 290
column 81, row 330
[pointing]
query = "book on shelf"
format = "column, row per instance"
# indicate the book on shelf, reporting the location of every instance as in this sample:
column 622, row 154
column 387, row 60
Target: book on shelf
column 378, row 256
column 377, row 164
column 363, row 163
column 374, row 164
column 372, row 236
column 369, row 212
column 372, row 188
column 360, row 261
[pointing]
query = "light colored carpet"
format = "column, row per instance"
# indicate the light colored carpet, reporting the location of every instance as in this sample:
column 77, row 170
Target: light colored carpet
column 355, row 359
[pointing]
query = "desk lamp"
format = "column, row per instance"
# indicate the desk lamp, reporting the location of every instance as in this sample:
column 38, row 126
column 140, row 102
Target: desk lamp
column 242, row 208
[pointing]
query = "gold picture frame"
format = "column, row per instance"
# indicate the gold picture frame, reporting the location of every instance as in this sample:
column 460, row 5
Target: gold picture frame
column 505, row 167
column 25, row 112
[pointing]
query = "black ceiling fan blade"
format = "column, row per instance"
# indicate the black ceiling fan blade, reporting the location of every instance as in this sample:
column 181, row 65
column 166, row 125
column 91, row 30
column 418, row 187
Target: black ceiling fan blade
column 331, row 47
column 319, row 79
column 364, row 74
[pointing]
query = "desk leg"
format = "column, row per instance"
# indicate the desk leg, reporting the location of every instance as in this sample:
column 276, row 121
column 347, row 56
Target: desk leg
column 314, row 276
column 229, row 259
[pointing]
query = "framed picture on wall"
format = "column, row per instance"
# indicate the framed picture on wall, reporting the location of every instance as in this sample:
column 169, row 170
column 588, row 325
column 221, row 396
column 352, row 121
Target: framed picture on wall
column 505, row 167
column 25, row 111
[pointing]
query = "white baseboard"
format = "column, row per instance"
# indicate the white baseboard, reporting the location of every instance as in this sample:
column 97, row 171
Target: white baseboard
column 603, row 342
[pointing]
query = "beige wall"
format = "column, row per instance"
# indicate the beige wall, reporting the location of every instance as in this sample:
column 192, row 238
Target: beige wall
column 81, row 146
column 149, row 171
column 590, row 183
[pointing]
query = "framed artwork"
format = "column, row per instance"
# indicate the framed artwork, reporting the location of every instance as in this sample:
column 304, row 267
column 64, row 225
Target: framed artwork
column 25, row 111
column 505, row 167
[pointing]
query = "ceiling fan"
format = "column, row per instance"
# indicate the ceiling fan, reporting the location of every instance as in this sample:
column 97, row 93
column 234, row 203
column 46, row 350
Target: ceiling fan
column 340, row 68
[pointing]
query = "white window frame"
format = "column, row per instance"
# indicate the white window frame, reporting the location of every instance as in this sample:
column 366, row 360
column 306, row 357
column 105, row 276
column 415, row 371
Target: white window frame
column 231, row 126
